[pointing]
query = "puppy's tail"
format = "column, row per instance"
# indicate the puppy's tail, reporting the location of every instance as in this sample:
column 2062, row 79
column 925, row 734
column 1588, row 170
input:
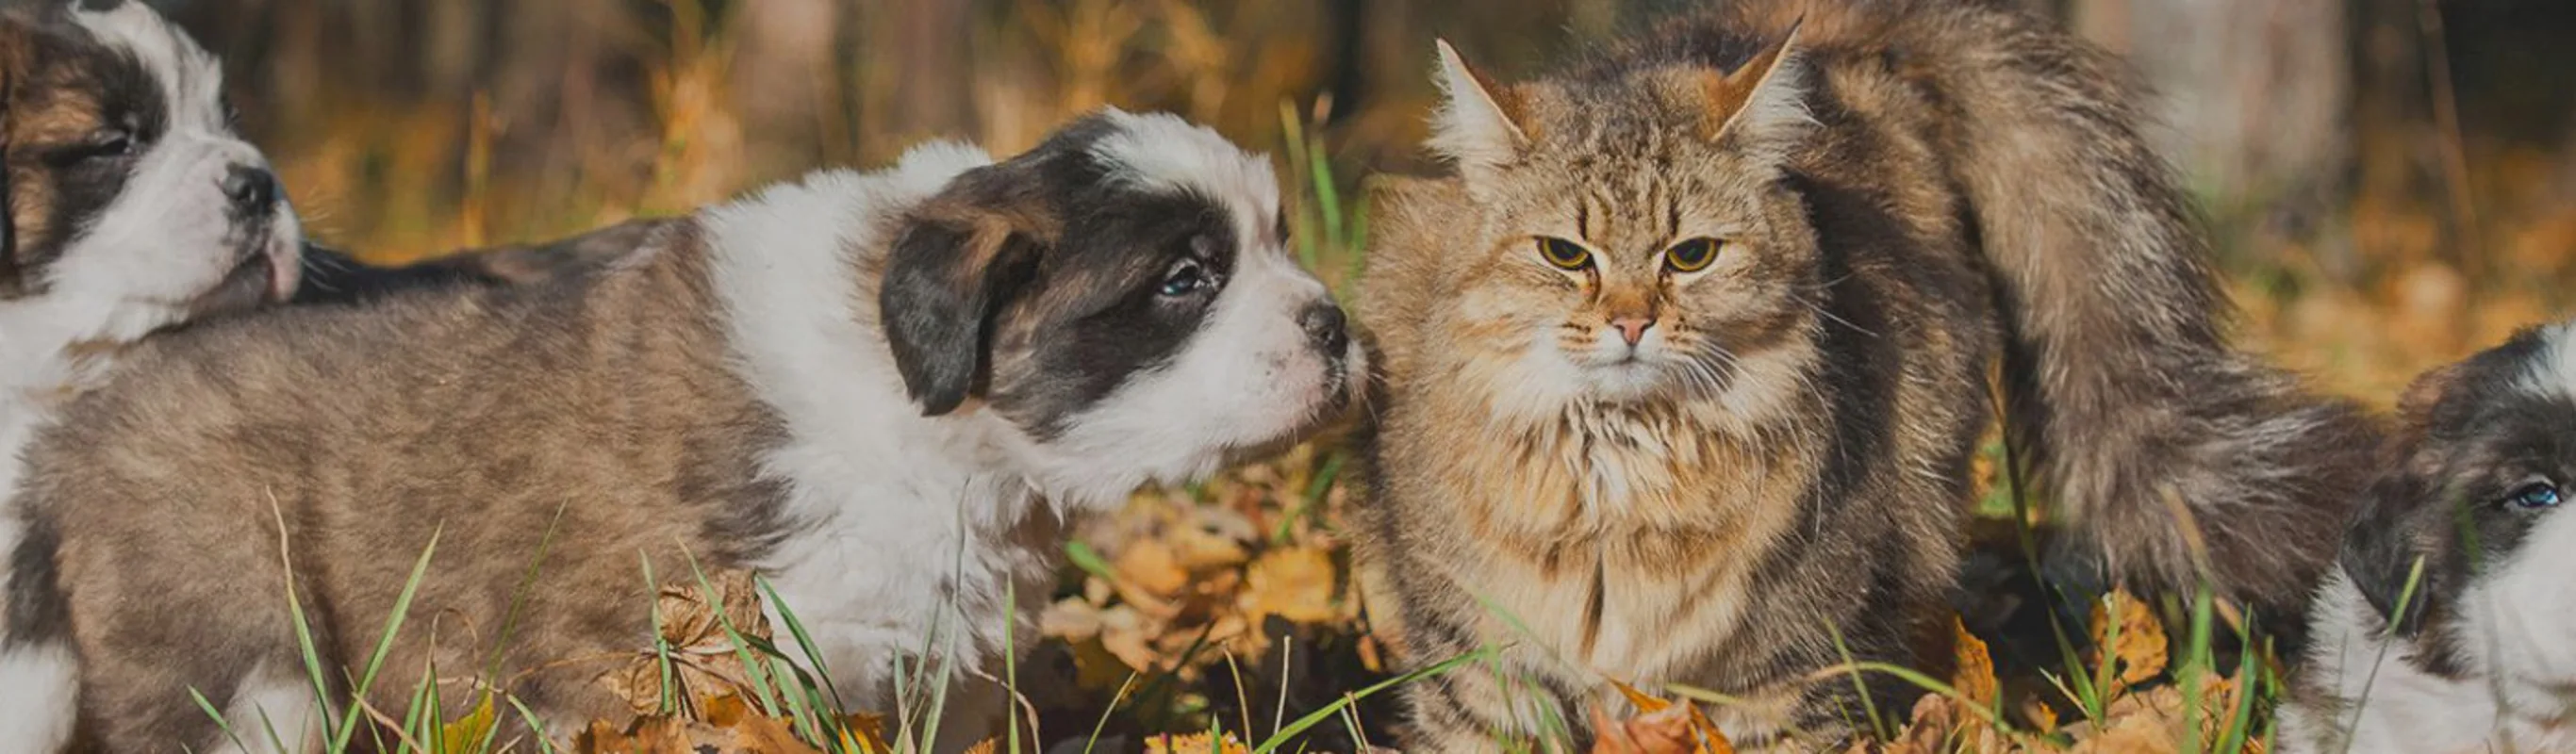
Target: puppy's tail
column 2174, row 459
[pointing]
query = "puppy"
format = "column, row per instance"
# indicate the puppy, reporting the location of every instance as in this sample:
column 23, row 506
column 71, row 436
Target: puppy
column 127, row 205
column 883, row 392
column 2449, row 626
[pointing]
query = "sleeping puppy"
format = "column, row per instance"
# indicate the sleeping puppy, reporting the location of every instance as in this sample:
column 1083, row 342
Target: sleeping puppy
column 127, row 206
column 2461, row 540
column 884, row 392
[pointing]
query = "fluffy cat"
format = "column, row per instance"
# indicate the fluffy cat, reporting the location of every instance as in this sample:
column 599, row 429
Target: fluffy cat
column 1684, row 370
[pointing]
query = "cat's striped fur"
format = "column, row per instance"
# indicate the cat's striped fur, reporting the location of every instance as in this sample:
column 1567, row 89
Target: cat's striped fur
column 1908, row 192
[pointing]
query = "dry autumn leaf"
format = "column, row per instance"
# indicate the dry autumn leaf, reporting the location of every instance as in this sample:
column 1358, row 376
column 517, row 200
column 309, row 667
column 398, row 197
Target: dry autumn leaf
column 1152, row 566
column 863, row 734
column 1194, row 743
column 1295, row 583
column 2139, row 647
column 703, row 660
column 2152, row 722
column 1975, row 677
column 467, row 733
column 746, row 730
column 1661, row 726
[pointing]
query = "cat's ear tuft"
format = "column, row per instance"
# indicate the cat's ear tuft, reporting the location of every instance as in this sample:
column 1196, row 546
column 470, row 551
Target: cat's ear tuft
column 1476, row 128
column 1762, row 105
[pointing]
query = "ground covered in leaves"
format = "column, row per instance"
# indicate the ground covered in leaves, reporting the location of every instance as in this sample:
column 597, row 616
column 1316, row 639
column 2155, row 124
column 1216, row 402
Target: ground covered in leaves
column 1221, row 619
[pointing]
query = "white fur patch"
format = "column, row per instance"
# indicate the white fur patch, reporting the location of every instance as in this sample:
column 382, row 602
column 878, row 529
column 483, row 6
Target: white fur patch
column 2553, row 373
column 272, row 708
column 1162, row 152
column 41, row 684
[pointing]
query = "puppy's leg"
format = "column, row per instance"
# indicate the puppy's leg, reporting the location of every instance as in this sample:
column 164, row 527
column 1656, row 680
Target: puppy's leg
column 138, row 670
column 157, row 610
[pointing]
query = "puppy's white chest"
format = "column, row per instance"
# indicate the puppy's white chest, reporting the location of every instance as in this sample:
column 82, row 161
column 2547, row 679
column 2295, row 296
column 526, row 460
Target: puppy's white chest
column 901, row 582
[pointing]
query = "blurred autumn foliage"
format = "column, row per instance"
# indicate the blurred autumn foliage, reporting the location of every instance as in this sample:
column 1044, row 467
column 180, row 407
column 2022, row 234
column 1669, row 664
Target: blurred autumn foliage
column 2392, row 183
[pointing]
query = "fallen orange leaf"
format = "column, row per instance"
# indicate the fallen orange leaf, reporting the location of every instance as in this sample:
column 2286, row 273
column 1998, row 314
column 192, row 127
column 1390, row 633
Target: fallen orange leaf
column 1194, row 743
column 1662, row 726
column 2139, row 652
column 1975, row 677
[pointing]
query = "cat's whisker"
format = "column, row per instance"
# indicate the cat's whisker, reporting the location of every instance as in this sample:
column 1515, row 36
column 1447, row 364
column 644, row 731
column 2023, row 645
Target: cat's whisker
column 1830, row 316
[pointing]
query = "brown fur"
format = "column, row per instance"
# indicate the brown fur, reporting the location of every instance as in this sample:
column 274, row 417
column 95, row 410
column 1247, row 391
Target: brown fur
column 2174, row 460
column 1954, row 147
column 673, row 439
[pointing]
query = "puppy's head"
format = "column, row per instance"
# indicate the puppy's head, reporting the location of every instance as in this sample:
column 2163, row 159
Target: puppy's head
column 1123, row 298
column 128, row 197
column 2471, row 487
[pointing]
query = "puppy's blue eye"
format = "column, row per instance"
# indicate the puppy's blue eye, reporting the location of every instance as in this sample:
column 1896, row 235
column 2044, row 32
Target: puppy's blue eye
column 1185, row 278
column 2535, row 495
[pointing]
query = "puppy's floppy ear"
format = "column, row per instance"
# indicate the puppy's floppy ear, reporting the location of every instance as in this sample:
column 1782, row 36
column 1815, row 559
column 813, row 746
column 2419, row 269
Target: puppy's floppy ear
column 2388, row 535
column 957, row 262
column 2383, row 546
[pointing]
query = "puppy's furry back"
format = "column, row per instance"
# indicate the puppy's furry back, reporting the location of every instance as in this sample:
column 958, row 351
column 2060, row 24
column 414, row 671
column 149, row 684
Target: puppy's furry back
column 2161, row 443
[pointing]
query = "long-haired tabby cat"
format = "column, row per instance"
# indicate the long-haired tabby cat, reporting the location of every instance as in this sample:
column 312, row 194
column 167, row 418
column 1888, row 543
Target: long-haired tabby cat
column 1684, row 370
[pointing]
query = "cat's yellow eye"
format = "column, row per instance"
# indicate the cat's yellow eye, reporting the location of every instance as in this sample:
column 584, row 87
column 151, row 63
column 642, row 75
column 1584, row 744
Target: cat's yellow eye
column 1566, row 255
column 1692, row 255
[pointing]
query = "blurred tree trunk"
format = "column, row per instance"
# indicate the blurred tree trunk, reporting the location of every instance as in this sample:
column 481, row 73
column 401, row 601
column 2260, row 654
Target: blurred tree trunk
column 918, row 54
column 783, row 80
column 2255, row 99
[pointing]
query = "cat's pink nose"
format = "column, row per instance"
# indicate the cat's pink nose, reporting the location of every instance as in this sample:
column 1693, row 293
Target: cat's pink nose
column 1632, row 328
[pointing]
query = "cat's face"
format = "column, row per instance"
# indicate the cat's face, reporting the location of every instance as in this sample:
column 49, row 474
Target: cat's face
column 1633, row 239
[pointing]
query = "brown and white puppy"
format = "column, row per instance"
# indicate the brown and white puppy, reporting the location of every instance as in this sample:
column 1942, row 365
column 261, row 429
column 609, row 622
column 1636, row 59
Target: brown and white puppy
column 884, row 392
column 2452, row 623
column 130, row 206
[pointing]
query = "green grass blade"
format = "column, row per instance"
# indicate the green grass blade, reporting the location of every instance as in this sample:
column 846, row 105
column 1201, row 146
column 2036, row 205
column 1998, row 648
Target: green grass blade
column 1103, row 725
column 220, row 723
column 1317, row 717
column 670, row 700
column 1878, row 724
column 751, row 665
column 348, row 727
column 805, row 642
column 520, row 595
column 1089, row 560
column 545, row 742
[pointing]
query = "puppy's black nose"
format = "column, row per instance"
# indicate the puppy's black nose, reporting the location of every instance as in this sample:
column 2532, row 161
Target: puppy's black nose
column 253, row 190
column 1325, row 328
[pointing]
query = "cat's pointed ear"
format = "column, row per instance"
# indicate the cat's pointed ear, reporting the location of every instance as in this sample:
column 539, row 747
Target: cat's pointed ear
column 1763, row 103
column 1475, row 128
